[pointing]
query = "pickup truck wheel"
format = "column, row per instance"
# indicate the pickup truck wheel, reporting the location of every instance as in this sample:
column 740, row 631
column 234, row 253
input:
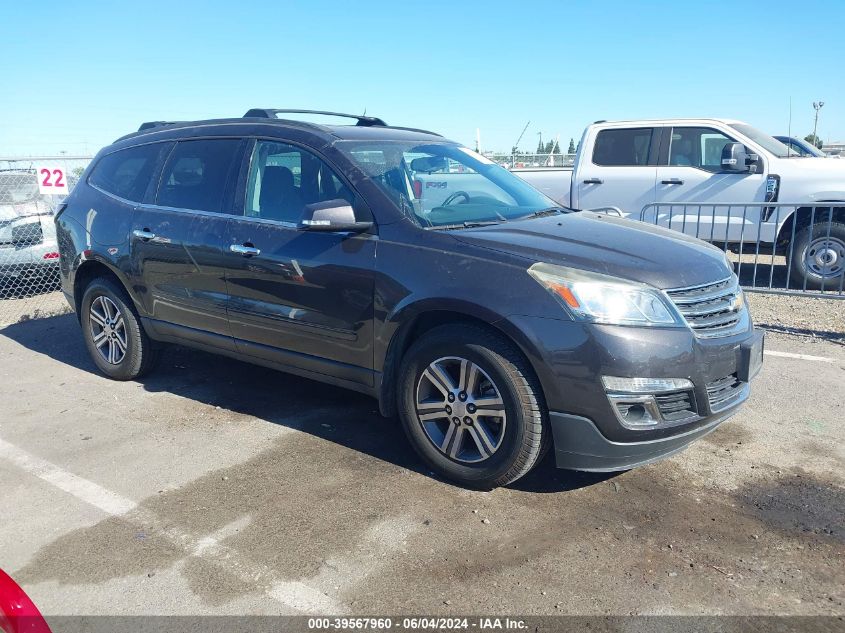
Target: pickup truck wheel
column 113, row 333
column 819, row 257
column 472, row 407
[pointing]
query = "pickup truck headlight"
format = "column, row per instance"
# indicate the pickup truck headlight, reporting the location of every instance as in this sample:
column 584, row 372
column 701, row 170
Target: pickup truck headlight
column 603, row 299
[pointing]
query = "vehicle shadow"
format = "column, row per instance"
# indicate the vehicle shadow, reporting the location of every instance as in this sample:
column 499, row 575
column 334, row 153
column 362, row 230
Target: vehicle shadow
column 329, row 413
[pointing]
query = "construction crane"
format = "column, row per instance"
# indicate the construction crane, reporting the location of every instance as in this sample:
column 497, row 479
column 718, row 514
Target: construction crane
column 515, row 145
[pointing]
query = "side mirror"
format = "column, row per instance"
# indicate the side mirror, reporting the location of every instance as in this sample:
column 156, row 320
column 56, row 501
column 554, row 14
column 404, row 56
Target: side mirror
column 736, row 158
column 331, row 216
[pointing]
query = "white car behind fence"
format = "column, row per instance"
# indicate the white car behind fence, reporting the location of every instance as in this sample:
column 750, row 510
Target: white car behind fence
column 29, row 257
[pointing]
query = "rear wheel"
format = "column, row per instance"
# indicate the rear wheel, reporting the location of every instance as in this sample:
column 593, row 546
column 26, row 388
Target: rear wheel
column 113, row 333
column 818, row 256
column 471, row 406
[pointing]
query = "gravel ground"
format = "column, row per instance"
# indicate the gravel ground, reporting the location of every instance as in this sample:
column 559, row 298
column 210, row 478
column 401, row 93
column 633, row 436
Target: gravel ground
column 16, row 309
column 807, row 316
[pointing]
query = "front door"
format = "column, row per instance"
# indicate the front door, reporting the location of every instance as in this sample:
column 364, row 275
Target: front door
column 177, row 240
column 691, row 171
column 302, row 299
column 618, row 171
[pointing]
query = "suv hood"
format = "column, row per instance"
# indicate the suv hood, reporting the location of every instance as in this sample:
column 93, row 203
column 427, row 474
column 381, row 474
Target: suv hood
column 606, row 244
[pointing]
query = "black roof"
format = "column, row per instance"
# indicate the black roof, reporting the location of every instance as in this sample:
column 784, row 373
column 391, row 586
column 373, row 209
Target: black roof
column 366, row 127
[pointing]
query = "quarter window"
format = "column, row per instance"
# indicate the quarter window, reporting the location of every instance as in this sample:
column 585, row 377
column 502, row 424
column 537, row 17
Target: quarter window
column 622, row 147
column 196, row 175
column 697, row 147
column 127, row 172
column 284, row 178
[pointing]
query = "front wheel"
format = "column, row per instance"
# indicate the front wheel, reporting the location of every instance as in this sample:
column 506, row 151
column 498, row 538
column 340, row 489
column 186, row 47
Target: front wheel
column 472, row 407
column 818, row 257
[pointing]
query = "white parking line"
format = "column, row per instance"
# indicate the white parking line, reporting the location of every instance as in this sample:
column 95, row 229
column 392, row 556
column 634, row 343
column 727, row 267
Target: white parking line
column 299, row 596
column 821, row 359
column 82, row 489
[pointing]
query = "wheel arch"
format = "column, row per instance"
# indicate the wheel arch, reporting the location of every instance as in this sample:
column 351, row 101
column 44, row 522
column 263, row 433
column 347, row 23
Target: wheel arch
column 803, row 216
column 91, row 269
column 416, row 320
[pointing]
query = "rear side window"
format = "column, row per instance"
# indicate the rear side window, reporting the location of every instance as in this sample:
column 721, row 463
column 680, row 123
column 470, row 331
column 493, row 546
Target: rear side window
column 127, row 172
column 196, row 175
column 622, row 148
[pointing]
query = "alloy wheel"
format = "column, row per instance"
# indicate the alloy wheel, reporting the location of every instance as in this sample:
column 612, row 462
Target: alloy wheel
column 460, row 409
column 108, row 330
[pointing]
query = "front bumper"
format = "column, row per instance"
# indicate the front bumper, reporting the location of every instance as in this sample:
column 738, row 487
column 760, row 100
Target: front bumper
column 570, row 359
column 579, row 445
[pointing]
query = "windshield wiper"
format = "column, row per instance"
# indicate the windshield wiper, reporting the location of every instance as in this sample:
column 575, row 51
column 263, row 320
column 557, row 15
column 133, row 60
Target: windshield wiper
column 543, row 213
column 465, row 225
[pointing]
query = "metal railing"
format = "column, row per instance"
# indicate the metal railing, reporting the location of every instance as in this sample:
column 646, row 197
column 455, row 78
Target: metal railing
column 532, row 161
column 777, row 247
column 29, row 258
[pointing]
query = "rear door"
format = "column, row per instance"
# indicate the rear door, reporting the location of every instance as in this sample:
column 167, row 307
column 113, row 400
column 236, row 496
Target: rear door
column 690, row 170
column 302, row 299
column 177, row 237
column 618, row 170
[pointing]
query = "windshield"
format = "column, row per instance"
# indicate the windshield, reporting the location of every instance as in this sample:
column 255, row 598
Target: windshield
column 445, row 185
column 768, row 143
column 801, row 147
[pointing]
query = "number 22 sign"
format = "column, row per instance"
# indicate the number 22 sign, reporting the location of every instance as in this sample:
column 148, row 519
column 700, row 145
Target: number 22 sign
column 52, row 181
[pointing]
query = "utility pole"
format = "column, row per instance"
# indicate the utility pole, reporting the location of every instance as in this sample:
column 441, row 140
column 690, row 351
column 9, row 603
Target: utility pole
column 817, row 105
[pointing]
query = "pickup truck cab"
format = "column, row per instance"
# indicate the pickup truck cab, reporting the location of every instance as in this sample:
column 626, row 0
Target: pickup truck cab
column 643, row 167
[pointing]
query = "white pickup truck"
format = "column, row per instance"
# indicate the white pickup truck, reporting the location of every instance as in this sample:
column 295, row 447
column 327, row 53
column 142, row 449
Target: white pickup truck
column 642, row 168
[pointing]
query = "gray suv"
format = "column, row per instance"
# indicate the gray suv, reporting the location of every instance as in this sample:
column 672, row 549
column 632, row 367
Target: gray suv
column 494, row 325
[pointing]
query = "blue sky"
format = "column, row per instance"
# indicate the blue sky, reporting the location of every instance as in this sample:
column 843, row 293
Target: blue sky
column 78, row 74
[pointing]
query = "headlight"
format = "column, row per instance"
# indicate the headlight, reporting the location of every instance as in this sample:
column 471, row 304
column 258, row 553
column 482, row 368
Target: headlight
column 729, row 262
column 604, row 299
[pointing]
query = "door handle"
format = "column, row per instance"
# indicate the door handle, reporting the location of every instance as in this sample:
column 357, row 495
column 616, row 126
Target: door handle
column 145, row 234
column 673, row 181
column 593, row 181
column 247, row 250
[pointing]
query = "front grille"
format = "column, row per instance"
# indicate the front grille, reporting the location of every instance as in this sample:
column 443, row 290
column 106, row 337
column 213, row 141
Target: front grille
column 676, row 406
column 712, row 309
column 725, row 392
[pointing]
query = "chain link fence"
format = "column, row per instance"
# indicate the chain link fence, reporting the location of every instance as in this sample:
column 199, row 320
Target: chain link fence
column 29, row 257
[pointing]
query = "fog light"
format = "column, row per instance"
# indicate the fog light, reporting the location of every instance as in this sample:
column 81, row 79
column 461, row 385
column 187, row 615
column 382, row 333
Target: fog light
column 633, row 411
column 635, row 400
column 645, row 385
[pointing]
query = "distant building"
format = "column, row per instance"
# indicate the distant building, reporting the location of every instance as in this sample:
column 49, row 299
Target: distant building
column 837, row 148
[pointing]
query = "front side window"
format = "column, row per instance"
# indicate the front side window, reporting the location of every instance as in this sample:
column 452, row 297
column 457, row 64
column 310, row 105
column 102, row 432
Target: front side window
column 622, row 147
column 699, row 147
column 284, row 178
column 196, row 174
column 442, row 184
column 126, row 173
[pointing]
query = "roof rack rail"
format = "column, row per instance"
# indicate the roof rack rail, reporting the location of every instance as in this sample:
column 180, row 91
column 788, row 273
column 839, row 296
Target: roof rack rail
column 148, row 125
column 270, row 113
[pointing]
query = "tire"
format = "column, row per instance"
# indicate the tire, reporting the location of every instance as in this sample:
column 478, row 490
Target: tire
column 480, row 451
column 123, row 332
column 817, row 257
